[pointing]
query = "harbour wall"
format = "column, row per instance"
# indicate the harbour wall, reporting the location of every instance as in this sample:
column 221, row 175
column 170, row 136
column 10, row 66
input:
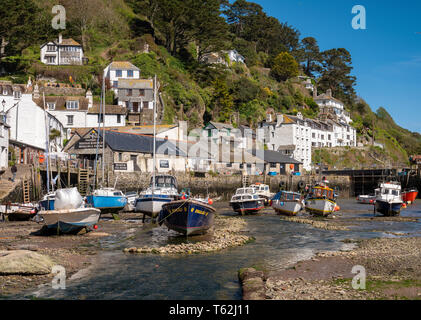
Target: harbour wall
column 225, row 185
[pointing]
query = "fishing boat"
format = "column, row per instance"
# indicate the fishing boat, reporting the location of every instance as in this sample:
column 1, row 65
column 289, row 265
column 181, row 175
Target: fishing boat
column 263, row 191
column 163, row 191
column 246, row 201
column 47, row 202
column 366, row 199
column 321, row 201
column 70, row 220
column 389, row 199
column 287, row 203
column 108, row 200
column 19, row 211
column 189, row 216
column 409, row 196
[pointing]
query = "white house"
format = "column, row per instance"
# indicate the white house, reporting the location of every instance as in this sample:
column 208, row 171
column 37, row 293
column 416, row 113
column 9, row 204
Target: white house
column 120, row 70
column 135, row 94
column 234, row 56
column 82, row 112
column 328, row 104
column 62, row 52
column 220, row 57
column 290, row 135
column 30, row 126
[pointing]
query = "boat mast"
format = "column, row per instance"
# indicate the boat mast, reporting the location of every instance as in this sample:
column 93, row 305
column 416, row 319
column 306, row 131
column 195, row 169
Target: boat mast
column 154, row 137
column 103, row 127
column 97, row 143
column 47, row 145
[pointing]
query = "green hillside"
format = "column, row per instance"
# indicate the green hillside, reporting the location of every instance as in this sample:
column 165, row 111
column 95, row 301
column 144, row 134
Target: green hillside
column 179, row 33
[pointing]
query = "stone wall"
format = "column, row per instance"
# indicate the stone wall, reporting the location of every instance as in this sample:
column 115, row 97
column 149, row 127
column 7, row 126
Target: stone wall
column 224, row 185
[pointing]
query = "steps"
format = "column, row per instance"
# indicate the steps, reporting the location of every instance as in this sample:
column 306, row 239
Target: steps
column 246, row 180
column 83, row 181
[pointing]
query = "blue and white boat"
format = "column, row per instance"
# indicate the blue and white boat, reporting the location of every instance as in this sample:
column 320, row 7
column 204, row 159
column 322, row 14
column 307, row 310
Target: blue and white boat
column 189, row 217
column 108, row 200
column 70, row 220
column 389, row 199
column 151, row 200
column 287, row 203
column 246, row 201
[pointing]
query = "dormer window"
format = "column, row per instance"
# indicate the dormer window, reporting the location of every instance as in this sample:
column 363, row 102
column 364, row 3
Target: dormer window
column 51, row 48
column 129, row 73
column 72, row 104
column 17, row 94
column 118, row 73
column 51, row 106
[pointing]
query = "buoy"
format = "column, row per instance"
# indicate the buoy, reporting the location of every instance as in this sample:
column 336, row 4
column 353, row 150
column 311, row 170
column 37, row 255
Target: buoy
column 337, row 208
column 404, row 205
column 95, row 227
column 210, row 201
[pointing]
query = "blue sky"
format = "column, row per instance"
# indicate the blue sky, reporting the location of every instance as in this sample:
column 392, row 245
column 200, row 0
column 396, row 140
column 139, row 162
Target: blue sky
column 386, row 56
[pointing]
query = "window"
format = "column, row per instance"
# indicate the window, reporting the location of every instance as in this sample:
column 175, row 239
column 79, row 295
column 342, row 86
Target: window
column 72, row 104
column 70, row 120
column 229, row 165
column 120, row 156
column 273, row 165
column 145, row 104
column 118, row 73
column 328, row 137
column 51, row 105
column 50, row 59
column 129, row 73
column 17, row 94
column 119, row 118
column 141, row 92
column 51, row 48
column 100, row 118
column 115, row 84
column 129, row 92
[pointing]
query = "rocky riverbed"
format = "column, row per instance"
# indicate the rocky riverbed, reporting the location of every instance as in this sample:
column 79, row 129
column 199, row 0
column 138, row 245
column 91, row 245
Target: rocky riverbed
column 391, row 265
column 226, row 233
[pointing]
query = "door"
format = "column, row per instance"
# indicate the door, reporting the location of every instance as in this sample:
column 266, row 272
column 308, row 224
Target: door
column 135, row 107
column 134, row 159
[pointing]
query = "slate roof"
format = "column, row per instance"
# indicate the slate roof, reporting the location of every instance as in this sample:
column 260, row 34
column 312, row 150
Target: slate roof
column 270, row 156
column 220, row 126
column 131, row 142
column 109, row 109
column 60, row 102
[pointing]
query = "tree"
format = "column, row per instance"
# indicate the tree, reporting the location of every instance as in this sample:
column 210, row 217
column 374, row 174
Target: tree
column 336, row 74
column 284, row 67
column 309, row 53
column 222, row 101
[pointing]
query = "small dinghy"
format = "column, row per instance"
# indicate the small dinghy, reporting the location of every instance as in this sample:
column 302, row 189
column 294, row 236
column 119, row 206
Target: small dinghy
column 287, row 203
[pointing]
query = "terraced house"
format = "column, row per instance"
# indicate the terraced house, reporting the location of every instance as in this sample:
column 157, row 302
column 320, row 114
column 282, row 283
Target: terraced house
column 119, row 70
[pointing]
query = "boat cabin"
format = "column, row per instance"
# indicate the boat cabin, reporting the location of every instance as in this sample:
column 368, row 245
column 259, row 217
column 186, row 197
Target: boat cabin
column 260, row 187
column 245, row 191
column 388, row 188
column 323, row 192
column 287, row 196
column 165, row 181
column 245, row 197
column 108, row 192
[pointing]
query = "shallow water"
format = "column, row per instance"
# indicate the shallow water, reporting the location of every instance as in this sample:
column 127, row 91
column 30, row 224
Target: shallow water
column 278, row 245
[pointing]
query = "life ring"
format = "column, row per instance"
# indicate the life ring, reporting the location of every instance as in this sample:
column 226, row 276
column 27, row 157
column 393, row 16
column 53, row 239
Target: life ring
column 301, row 184
column 282, row 184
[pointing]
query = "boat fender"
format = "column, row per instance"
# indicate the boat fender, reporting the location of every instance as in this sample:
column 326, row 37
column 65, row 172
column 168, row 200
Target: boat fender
column 282, row 184
column 210, row 201
column 301, row 184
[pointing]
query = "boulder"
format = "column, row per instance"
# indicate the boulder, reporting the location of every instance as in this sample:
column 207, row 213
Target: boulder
column 24, row 262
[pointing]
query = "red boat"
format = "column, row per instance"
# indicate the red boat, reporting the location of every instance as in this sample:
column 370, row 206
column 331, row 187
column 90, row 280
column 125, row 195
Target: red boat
column 409, row 196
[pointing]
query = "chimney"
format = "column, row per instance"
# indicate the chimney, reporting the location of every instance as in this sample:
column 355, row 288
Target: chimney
column 182, row 130
column 279, row 119
column 35, row 95
column 329, row 93
column 60, row 38
column 315, row 92
column 268, row 117
column 90, row 98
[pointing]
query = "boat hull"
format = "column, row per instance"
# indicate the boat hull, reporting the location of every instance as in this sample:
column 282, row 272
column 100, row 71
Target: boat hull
column 409, row 196
column 151, row 206
column 366, row 199
column 71, row 220
column 320, row 207
column 286, row 207
column 188, row 217
column 107, row 204
column 247, row 207
column 388, row 209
